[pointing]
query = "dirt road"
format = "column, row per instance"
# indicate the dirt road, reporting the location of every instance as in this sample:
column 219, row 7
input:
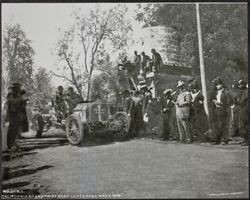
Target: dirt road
column 140, row 168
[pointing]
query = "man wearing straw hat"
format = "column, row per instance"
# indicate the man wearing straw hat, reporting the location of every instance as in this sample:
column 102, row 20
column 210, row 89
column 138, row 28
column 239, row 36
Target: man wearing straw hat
column 183, row 104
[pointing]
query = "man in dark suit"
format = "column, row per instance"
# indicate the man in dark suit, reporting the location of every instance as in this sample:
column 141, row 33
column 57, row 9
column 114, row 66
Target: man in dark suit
column 199, row 120
column 221, row 102
column 241, row 102
column 135, row 112
column 166, row 111
column 16, row 115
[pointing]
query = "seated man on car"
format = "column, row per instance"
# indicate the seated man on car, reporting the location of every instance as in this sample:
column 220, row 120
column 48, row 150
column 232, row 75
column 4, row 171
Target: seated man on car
column 72, row 99
column 61, row 106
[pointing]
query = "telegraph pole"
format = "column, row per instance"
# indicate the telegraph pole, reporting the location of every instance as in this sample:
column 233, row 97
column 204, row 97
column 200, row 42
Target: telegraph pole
column 202, row 66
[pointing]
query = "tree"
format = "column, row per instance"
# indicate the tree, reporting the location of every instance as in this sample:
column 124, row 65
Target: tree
column 180, row 16
column 84, row 45
column 107, row 85
column 18, row 56
column 42, row 88
column 224, row 32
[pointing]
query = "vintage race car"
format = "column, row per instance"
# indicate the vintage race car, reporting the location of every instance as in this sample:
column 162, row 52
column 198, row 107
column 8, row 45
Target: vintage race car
column 96, row 117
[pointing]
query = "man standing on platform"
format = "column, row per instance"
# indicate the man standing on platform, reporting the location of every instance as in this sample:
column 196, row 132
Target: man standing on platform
column 156, row 61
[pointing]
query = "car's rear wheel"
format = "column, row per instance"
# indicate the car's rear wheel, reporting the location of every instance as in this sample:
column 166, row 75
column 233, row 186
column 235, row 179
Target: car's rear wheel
column 74, row 130
column 120, row 125
column 38, row 125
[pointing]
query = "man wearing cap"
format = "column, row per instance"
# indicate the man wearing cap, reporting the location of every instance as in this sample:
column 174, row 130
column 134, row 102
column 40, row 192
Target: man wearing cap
column 221, row 102
column 16, row 115
column 241, row 101
column 183, row 104
column 166, row 112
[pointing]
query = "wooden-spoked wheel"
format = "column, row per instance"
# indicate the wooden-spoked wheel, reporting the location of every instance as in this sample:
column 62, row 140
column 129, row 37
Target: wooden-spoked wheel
column 74, row 130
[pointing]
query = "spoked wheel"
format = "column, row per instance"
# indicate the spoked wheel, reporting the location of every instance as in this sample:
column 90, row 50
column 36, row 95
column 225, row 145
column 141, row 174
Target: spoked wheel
column 74, row 130
column 120, row 125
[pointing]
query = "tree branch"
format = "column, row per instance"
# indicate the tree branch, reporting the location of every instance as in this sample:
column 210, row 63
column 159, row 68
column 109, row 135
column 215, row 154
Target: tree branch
column 72, row 74
column 61, row 76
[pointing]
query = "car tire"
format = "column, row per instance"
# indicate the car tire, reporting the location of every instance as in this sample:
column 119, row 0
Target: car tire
column 74, row 129
column 38, row 125
column 121, row 119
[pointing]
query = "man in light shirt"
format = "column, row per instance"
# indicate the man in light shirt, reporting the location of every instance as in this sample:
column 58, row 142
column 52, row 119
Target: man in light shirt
column 183, row 104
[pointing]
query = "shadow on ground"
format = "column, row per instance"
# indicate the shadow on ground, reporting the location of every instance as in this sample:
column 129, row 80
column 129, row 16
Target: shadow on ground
column 9, row 173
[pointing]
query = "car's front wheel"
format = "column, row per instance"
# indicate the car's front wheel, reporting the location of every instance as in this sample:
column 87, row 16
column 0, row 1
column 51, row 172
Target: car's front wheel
column 119, row 124
column 74, row 130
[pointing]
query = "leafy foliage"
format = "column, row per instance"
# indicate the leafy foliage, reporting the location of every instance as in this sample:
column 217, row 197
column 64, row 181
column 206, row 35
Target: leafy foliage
column 92, row 35
column 17, row 56
column 42, row 88
column 18, row 59
column 224, row 28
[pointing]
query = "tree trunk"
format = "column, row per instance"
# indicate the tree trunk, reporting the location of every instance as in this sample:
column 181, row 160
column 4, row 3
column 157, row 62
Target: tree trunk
column 89, row 87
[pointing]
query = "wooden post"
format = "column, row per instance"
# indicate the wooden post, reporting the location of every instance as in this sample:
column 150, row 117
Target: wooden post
column 202, row 66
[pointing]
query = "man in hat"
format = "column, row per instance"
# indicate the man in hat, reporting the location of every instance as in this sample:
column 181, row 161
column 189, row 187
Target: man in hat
column 16, row 115
column 241, row 101
column 221, row 102
column 135, row 113
column 156, row 61
column 166, row 112
column 183, row 104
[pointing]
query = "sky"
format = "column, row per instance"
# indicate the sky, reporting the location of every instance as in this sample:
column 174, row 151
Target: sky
column 41, row 22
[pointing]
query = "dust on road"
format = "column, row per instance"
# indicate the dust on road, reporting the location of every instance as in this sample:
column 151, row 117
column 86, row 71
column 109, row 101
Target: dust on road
column 140, row 168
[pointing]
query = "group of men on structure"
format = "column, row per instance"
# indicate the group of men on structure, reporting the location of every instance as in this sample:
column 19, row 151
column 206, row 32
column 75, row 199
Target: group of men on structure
column 184, row 108
column 142, row 63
